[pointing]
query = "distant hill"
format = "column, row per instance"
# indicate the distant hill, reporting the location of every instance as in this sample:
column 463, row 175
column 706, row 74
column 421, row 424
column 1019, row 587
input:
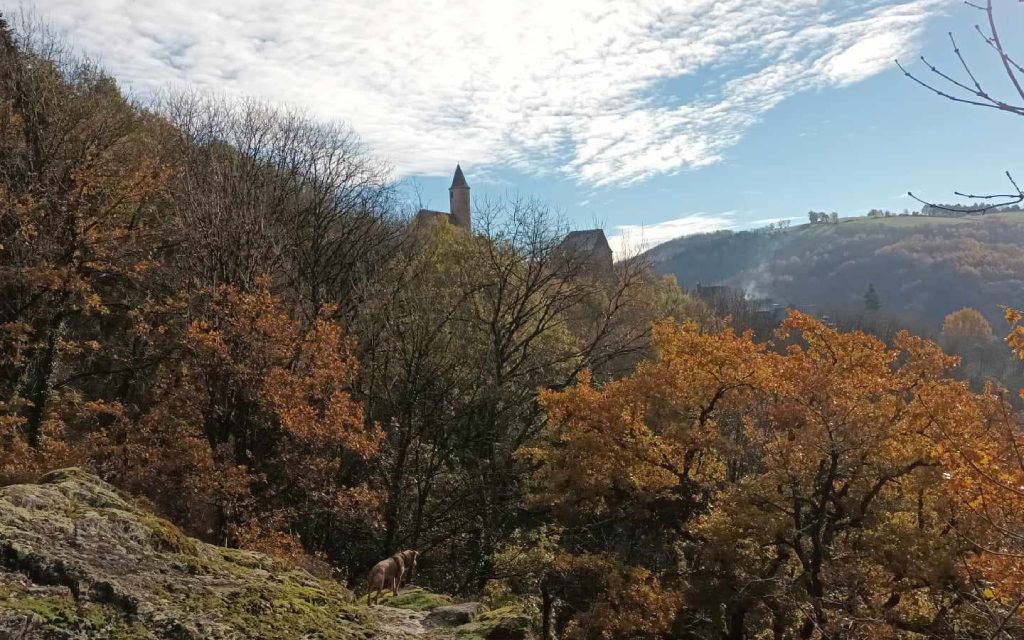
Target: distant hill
column 922, row 267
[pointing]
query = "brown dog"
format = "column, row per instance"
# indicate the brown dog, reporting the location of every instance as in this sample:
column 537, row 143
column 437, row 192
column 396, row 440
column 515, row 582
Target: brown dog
column 388, row 574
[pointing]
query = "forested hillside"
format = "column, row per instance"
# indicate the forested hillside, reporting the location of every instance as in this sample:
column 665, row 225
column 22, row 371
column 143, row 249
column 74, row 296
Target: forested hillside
column 923, row 267
column 225, row 310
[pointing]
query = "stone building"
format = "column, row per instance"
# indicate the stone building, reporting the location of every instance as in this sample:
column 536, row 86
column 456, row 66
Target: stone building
column 588, row 251
column 588, row 248
column 458, row 203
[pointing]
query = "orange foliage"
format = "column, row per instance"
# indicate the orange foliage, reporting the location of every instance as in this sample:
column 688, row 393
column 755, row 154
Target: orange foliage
column 651, row 431
column 77, row 197
column 836, row 487
column 263, row 430
column 631, row 604
column 301, row 375
column 966, row 325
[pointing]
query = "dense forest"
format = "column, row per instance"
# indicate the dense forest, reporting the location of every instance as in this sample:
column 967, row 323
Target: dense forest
column 224, row 309
column 923, row 267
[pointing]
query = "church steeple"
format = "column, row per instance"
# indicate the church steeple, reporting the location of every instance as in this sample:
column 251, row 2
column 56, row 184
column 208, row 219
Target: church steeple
column 458, row 197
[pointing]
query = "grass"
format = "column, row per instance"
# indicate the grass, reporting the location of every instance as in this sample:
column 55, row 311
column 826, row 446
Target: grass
column 908, row 221
column 168, row 537
column 413, row 599
column 863, row 222
column 1006, row 216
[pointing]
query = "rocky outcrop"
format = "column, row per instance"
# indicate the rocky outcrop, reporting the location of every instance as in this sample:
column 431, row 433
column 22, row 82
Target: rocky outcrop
column 511, row 622
column 79, row 561
column 454, row 615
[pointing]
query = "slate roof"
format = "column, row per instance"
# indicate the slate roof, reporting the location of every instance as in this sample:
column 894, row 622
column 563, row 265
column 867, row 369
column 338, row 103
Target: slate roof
column 585, row 241
column 459, row 181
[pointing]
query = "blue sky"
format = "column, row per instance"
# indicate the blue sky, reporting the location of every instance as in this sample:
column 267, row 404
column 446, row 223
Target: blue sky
column 649, row 118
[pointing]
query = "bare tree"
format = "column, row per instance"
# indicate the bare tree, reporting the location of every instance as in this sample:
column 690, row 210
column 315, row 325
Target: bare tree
column 269, row 193
column 970, row 91
column 229, row 196
column 80, row 194
column 457, row 341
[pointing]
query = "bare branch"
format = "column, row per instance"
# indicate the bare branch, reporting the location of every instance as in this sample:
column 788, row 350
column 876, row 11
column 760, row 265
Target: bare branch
column 1009, row 199
column 981, row 98
column 992, row 104
column 1002, row 52
column 967, row 68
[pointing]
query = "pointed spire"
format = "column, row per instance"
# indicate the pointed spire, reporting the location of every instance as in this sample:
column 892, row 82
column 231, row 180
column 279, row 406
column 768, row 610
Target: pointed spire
column 459, row 181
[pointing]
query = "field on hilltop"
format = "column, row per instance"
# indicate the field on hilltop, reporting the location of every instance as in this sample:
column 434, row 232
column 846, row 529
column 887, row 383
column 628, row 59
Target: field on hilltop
column 923, row 267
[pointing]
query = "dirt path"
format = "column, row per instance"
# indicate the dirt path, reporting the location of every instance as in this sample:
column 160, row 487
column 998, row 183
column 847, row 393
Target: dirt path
column 403, row 624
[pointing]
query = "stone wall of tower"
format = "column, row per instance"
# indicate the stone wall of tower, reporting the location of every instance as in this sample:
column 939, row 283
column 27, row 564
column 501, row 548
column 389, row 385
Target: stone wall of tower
column 459, row 203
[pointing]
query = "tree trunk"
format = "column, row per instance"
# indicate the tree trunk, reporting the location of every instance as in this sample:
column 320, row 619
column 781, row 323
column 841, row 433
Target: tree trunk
column 736, row 624
column 41, row 386
column 545, row 620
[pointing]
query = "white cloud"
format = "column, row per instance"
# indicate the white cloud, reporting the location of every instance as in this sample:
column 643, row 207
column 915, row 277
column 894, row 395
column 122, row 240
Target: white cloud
column 631, row 239
column 574, row 86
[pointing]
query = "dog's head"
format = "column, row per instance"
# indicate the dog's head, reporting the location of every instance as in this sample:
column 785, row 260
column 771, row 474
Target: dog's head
column 410, row 557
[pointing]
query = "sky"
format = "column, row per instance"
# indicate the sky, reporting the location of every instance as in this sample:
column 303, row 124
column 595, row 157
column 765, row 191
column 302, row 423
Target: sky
column 651, row 119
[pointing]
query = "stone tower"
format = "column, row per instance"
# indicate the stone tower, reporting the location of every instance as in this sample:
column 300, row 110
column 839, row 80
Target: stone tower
column 458, row 195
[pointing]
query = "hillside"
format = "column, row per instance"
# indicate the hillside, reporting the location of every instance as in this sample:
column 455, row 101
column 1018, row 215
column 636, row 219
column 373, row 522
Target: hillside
column 79, row 561
column 922, row 267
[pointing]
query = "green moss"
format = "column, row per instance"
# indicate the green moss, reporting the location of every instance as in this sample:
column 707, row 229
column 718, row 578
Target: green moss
column 414, row 599
column 81, row 487
column 285, row 603
column 284, row 608
column 61, row 614
column 58, row 476
column 240, row 594
column 168, row 537
column 250, row 560
column 518, row 616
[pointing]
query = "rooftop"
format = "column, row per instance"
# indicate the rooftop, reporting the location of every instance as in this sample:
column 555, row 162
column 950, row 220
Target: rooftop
column 586, row 240
column 459, row 181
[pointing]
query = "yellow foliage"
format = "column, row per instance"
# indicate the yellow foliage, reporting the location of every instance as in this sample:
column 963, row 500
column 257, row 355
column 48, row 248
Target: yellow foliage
column 831, row 468
column 967, row 325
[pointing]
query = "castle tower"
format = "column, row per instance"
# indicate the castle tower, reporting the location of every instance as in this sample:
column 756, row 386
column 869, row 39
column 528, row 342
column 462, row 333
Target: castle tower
column 458, row 195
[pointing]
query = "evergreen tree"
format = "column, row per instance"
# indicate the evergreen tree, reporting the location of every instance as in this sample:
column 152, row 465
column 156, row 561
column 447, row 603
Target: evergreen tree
column 871, row 301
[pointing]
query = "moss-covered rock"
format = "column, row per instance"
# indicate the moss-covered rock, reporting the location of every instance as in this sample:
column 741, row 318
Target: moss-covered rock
column 79, row 561
column 27, row 610
column 413, row 599
column 510, row 622
column 453, row 615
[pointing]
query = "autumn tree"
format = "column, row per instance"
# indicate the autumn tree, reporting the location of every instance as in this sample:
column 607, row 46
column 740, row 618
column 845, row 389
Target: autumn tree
column 266, row 193
column 966, row 326
column 813, row 490
column 463, row 332
column 988, row 470
column 81, row 184
column 261, row 403
column 170, row 291
column 986, row 464
column 844, row 530
column 628, row 467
